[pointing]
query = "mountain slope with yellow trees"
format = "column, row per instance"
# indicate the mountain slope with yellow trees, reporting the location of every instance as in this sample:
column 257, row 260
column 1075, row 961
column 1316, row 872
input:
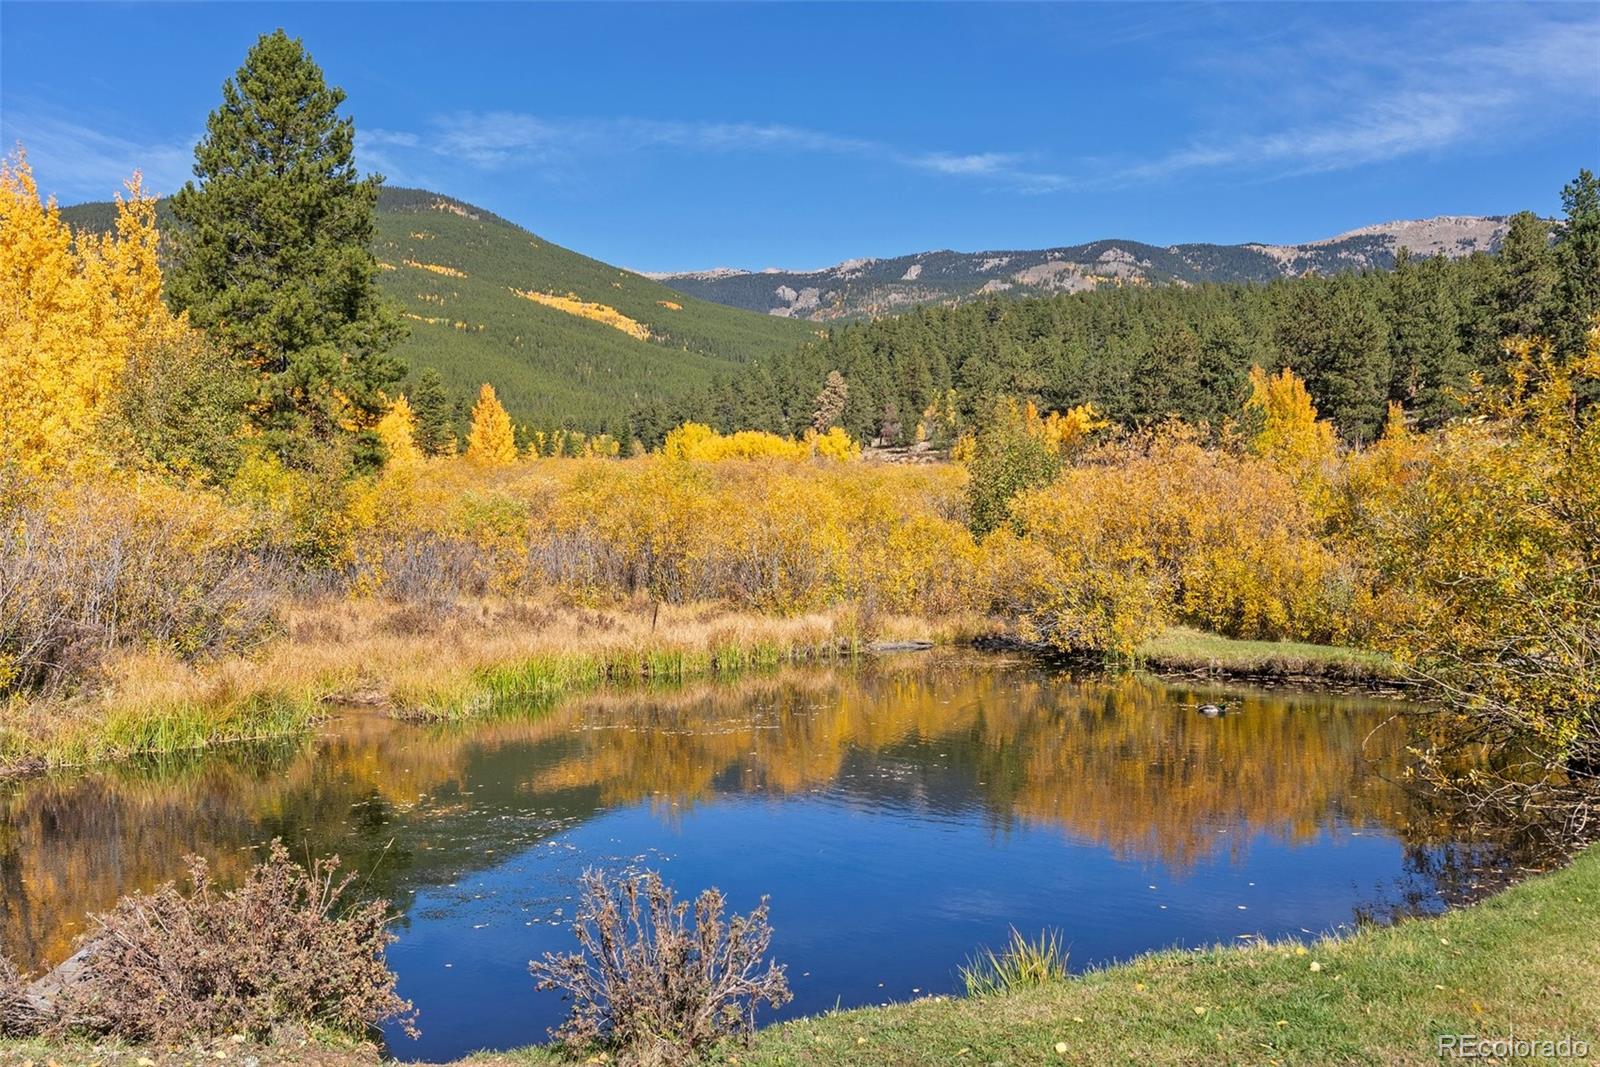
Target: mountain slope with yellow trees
column 567, row 340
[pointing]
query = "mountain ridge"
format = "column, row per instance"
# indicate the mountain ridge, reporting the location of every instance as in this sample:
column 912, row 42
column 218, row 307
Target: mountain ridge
column 868, row 287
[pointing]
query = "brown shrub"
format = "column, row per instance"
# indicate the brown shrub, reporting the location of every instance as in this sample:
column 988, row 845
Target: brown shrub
column 17, row 1015
column 650, row 986
column 286, row 947
column 89, row 570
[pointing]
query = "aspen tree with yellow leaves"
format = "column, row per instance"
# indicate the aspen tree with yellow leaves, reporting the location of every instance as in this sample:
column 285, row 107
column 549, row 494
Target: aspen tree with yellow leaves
column 1290, row 432
column 73, row 309
column 491, row 442
column 1485, row 544
column 397, row 433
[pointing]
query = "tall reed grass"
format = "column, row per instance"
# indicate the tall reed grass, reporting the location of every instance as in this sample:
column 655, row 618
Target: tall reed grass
column 1021, row 964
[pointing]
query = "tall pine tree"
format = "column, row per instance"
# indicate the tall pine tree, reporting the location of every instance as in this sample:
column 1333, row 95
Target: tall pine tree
column 272, row 252
column 1527, row 278
column 1428, row 368
column 1332, row 332
column 1578, row 261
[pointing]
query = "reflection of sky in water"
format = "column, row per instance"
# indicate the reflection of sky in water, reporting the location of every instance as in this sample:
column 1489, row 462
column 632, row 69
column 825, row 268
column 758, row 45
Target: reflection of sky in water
column 899, row 815
column 868, row 905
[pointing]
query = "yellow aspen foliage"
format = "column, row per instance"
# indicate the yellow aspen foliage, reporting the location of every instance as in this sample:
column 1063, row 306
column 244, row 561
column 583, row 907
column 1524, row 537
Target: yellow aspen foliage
column 585, row 309
column 397, row 432
column 941, row 421
column 692, row 440
column 1067, row 431
column 436, row 268
column 491, row 441
column 72, row 309
column 601, row 445
column 1482, row 539
column 835, row 444
column 1163, row 529
column 1394, row 423
column 696, row 441
column 1290, row 433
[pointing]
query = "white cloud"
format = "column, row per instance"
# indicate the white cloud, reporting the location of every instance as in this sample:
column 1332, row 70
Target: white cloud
column 73, row 162
column 1345, row 103
column 497, row 139
column 1316, row 95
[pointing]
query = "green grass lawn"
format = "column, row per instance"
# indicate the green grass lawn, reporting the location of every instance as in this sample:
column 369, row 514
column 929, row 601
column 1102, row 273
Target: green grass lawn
column 1182, row 649
column 1526, row 961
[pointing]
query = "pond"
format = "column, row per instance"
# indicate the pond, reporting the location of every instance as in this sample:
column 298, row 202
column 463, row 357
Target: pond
column 900, row 813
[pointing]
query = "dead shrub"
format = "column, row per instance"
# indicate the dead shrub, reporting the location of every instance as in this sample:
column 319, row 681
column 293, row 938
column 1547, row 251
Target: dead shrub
column 417, row 620
column 18, row 1017
column 526, row 615
column 87, row 571
column 650, row 986
column 428, row 568
column 287, row 946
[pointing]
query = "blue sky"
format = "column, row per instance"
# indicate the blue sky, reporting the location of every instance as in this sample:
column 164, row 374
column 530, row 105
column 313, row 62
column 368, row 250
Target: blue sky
column 674, row 136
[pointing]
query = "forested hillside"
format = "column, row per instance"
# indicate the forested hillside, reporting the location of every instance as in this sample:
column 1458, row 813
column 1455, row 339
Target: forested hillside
column 1415, row 334
column 567, row 340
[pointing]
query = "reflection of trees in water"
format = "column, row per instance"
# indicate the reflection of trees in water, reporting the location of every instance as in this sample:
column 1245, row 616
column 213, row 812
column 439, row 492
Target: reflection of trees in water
column 1124, row 762
column 1476, row 860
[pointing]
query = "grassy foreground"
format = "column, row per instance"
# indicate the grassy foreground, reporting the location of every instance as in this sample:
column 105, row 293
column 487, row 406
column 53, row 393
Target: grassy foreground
column 1526, row 962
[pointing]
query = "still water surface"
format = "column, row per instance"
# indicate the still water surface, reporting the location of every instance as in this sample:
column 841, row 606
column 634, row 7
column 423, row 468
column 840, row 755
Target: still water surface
column 899, row 814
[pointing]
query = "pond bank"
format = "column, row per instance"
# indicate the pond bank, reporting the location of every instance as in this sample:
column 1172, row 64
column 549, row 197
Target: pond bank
column 444, row 663
column 1195, row 653
column 1183, row 652
column 457, row 663
column 1526, row 961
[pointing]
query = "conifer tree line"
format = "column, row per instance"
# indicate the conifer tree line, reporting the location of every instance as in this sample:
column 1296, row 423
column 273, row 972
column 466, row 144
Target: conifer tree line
column 1415, row 335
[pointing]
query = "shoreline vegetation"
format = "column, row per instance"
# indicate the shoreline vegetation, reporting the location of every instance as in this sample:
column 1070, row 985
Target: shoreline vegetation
column 1180, row 650
column 424, row 666
column 1525, row 961
column 202, row 546
column 464, row 664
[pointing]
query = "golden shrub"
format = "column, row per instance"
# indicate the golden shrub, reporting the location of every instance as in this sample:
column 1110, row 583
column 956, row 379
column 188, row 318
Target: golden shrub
column 696, row 441
column 397, row 432
column 1164, row 529
column 1288, row 431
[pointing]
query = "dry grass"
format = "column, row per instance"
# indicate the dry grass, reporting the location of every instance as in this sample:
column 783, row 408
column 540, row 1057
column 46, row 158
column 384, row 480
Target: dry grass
column 413, row 659
column 448, row 660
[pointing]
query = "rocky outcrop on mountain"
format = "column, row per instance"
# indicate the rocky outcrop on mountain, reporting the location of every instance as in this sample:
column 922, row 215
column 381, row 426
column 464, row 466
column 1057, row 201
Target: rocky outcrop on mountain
column 870, row 287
